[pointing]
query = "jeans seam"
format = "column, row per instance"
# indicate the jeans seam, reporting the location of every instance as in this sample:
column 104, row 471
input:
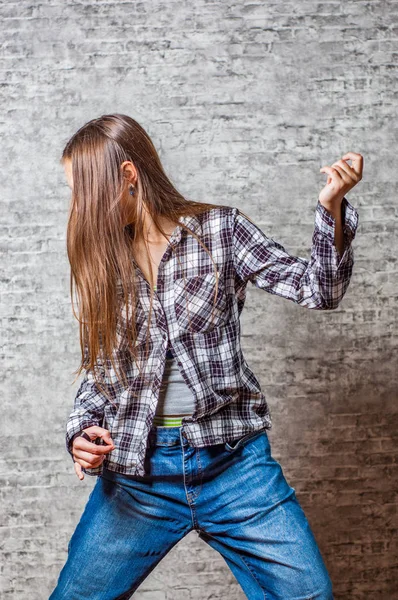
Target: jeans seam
column 242, row 559
column 128, row 593
column 194, row 523
column 252, row 574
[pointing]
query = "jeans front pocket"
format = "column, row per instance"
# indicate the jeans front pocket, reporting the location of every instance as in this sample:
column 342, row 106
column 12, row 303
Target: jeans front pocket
column 241, row 441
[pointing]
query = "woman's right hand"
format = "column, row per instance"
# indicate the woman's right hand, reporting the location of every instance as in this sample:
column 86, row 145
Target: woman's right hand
column 87, row 454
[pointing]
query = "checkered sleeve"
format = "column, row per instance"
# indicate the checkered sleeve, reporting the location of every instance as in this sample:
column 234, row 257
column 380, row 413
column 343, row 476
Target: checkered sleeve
column 88, row 409
column 319, row 283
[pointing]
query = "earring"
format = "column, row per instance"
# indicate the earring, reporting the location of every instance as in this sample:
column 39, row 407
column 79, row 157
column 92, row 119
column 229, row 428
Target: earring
column 131, row 189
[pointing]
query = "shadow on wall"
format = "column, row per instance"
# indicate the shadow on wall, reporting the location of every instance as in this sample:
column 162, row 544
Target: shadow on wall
column 343, row 467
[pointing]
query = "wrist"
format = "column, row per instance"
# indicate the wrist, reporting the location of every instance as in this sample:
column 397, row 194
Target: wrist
column 334, row 210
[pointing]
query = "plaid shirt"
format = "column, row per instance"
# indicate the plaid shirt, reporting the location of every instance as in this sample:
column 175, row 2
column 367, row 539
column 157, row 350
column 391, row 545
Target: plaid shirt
column 229, row 401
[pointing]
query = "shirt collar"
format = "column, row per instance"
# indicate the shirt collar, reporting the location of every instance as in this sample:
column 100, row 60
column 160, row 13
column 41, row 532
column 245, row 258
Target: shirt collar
column 191, row 221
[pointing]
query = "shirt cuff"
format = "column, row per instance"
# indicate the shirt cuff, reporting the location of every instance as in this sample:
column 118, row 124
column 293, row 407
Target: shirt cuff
column 325, row 222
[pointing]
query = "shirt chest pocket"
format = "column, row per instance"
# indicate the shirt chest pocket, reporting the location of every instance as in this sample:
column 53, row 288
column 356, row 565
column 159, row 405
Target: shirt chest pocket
column 197, row 307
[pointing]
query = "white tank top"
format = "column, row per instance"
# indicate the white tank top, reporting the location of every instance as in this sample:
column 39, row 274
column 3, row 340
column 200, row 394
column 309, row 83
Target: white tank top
column 175, row 397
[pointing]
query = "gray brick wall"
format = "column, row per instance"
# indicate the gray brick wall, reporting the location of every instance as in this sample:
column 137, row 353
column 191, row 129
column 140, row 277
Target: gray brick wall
column 245, row 102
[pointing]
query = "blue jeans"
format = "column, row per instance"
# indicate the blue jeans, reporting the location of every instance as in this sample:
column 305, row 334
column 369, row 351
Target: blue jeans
column 234, row 495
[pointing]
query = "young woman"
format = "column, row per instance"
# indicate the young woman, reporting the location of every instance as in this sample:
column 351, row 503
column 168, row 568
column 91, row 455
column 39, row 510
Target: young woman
column 169, row 416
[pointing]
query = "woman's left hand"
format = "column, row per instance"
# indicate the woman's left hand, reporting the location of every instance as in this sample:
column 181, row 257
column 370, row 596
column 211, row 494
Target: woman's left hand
column 342, row 178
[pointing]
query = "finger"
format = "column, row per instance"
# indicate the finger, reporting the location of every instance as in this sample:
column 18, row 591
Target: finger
column 95, row 431
column 352, row 176
column 89, row 464
column 343, row 173
column 357, row 162
column 89, row 456
column 81, row 443
column 333, row 173
column 106, row 436
column 78, row 470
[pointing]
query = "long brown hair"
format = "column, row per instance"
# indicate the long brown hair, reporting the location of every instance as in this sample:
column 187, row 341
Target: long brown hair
column 99, row 244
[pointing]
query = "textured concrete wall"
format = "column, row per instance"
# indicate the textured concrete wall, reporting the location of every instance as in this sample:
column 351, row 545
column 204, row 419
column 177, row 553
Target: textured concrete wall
column 245, row 102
